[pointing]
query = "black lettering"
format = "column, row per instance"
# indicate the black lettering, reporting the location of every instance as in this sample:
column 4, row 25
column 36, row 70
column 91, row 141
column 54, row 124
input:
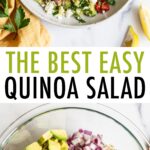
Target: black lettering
column 11, row 94
column 45, row 88
column 27, row 94
column 91, row 88
column 72, row 89
column 103, row 86
column 126, row 85
column 113, row 96
column 136, row 81
column 61, row 88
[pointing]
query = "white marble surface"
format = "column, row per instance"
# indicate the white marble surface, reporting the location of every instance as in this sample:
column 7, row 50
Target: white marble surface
column 10, row 112
column 109, row 33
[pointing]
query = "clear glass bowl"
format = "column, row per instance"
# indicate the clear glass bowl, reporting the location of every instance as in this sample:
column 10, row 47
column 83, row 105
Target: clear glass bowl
column 115, row 128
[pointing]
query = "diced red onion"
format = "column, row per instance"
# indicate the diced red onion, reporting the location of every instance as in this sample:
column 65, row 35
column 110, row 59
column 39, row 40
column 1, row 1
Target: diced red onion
column 87, row 132
column 85, row 140
column 81, row 130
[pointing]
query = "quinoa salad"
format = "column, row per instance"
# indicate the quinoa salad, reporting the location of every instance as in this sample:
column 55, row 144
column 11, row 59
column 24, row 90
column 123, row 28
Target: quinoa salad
column 76, row 8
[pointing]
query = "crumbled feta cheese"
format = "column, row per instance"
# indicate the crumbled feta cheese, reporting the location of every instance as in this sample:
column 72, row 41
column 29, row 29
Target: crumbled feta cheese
column 59, row 17
column 86, row 8
column 49, row 8
column 94, row 1
column 69, row 13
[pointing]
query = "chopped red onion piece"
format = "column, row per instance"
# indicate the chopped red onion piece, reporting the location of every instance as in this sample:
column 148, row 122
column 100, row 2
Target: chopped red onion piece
column 87, row 132
column 81, row 130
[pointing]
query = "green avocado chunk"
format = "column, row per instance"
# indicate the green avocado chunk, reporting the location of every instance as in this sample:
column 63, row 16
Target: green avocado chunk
column 67, row 4
column 34, row 146
column 59, row 134
column 45, row 137
column 53, row 145
column 64, row 145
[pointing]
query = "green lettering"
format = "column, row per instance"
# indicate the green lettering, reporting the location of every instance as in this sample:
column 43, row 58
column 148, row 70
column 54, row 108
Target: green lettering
column 86, row 61
column 76, row 62
column 23, row 61
column 115, row 64
column 103, row 61
column 128, row 70
column 53, row 66
column 33, row 62
column 139, row 60
column 10, row 55
column 64, row 62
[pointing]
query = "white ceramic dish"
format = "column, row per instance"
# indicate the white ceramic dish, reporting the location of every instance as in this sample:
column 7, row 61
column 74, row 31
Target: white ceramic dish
column 36, row 9
column 116, row 128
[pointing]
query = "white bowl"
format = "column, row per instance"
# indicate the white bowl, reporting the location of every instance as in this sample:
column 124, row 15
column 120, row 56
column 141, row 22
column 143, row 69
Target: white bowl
column 116, row 128
column 36, row 9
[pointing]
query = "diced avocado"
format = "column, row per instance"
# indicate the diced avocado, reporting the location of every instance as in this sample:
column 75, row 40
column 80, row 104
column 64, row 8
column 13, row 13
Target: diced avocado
column 91, row 12
column 92, row 8
column 45, row 137
column 67, row 4
column 45, row 146
column 52, row 145
column 59, row 134
column 64, row 145
column 56, row 140
column 76, row 2
column 34, row 146
column 61, row 10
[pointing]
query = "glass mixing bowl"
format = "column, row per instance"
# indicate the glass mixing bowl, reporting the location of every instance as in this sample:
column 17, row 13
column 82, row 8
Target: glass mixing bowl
column 115, row 128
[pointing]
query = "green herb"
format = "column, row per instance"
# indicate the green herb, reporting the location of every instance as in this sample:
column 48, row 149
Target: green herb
column 77, row 17
column 55, row 11
column 73, row 7
column 84, row 3
column 89, row 13
column 9, row 27
column 2, row 13
column 111, row 2
column 5, row 6
column 19, row 19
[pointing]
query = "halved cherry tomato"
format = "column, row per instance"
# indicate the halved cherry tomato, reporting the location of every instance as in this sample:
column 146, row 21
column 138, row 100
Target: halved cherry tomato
column 102, row 6
column 105, row 6
column 102, row 1
column 98, row 7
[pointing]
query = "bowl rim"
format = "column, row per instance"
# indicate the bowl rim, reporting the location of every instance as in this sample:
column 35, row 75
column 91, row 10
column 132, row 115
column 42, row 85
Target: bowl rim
column 78, row 26
column 10, row 133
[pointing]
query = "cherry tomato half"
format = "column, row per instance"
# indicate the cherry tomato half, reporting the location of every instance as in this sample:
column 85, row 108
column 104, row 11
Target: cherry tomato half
column 105, row 6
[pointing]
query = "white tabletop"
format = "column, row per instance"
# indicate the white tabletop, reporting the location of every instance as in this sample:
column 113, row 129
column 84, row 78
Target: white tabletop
column 108, row 33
